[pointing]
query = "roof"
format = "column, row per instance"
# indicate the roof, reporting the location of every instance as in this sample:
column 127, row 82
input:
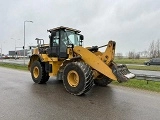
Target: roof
column 62, row 27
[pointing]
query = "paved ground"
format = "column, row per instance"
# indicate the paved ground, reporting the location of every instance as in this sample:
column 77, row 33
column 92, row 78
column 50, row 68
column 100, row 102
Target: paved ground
column 21, row 99
column 146, row 72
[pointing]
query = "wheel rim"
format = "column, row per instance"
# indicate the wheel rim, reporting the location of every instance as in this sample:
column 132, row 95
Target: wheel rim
column 73, row 78
column 36, row 72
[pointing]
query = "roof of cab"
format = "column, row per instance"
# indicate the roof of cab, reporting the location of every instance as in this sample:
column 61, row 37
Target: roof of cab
column 62, row 27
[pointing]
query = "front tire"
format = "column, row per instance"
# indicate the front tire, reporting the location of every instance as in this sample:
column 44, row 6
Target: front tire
column 77, row 78
column 38, row 73
column 102, row 81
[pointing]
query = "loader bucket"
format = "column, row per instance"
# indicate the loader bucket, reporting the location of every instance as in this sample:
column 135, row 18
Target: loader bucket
column 121, row 72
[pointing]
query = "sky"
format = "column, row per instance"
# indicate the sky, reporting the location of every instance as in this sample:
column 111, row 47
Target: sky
column 133, row 24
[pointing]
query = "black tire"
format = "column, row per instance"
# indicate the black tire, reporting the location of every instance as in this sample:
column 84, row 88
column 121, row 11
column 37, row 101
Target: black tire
column 41, row 76
column 77, row 71
column 102, row 81
column 148, row 64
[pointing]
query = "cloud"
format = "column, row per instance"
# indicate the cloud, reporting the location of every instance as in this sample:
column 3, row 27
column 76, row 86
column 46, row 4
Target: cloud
column 132, row 24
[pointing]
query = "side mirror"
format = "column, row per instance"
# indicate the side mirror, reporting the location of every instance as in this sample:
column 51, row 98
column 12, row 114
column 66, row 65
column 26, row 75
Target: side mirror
column 81, row 37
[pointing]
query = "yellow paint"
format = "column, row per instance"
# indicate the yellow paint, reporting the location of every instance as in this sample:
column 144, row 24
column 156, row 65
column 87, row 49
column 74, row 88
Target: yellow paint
column 73, row 78
column 55, row 67
column 36, row 51
column 36, row 72
column 99, row 61
column 32, row 59
column 44, row 58
column 55, row 59
column 109, row 53
column 92, row 60
column 70, row 53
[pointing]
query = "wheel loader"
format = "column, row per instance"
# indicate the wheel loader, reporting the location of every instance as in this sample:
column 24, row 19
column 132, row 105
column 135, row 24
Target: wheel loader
column 80, row 68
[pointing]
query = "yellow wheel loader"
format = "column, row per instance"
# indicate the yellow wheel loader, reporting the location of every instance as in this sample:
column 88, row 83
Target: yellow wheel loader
column 79, row 68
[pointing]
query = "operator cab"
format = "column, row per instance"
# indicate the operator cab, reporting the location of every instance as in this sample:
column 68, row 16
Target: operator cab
column 62, row 38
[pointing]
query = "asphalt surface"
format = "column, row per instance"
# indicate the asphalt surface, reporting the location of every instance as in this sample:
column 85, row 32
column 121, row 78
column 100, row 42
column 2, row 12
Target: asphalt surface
column 21, row 99
column 146, row 72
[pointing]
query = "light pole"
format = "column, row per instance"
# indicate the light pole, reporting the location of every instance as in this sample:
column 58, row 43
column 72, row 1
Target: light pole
column 15, row 47
column 1, row 51
column 24, row 39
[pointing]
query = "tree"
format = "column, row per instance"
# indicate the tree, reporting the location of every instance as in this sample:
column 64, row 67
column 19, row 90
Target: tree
column 137, row 55
column 131, row 55
column 119, row 55
column 157, row 48
column 154, row 49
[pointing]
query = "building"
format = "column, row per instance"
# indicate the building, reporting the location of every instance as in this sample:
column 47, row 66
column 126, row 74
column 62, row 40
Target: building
column 18, row 53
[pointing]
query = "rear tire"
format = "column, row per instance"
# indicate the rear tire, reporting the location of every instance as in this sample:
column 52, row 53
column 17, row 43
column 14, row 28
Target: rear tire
column 38, row 73
column 102, row 81
column 77, row 78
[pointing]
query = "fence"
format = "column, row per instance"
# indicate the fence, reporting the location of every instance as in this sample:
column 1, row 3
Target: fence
column 148, row 77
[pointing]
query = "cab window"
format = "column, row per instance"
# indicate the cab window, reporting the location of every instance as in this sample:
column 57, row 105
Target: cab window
column 56, row 39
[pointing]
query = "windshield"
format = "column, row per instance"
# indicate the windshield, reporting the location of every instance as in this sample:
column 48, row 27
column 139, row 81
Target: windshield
column 73, row 38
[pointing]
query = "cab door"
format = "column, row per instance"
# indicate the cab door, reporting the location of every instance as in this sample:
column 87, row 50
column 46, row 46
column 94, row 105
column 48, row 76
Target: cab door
column 63, row 44
column 53, row 50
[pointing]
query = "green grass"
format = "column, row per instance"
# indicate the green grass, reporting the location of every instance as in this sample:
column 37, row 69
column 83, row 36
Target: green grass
column 153, row 68
column 13, row 66
column 130, row 61
column 140, row 84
